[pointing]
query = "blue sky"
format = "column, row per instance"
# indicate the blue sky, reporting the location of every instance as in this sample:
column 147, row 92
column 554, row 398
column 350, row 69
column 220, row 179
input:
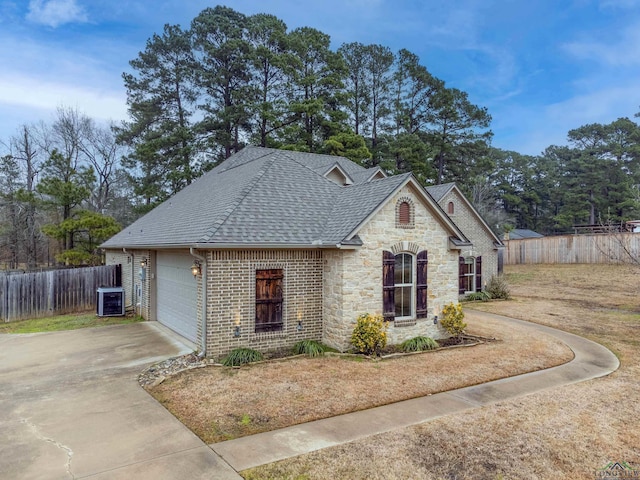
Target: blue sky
column 541, row 67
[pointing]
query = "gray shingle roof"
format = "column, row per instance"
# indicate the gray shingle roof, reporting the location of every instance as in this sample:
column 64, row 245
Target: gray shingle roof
column 263, row 196
column 439, row 191
column 520, row 233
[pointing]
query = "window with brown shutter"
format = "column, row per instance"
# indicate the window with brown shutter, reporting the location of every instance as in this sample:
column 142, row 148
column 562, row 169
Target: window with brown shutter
column 478, row 274
column 404, row 213
column 388, row 285
column 269, row 300
column 421, row 284
column 467, row 274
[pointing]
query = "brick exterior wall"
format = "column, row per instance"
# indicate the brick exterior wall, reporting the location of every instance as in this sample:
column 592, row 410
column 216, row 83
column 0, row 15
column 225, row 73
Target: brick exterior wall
column 231, row 298
column 483, row 242
column 136, row 291
column 353, row 278
column 325, row 290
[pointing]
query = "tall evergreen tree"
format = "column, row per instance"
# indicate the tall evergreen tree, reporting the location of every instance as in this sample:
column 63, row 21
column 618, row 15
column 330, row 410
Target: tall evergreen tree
column 271, row 62
column 357, row 86
column 63, row 187
column 160, row 132
column 457, row 131
column 10, row 217
column 379, row 70
column 223, row 72
column 314, row 88
column 413, row 91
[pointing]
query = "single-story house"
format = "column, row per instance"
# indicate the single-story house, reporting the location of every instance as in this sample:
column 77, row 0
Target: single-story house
column 483, row 256
column 274, row 246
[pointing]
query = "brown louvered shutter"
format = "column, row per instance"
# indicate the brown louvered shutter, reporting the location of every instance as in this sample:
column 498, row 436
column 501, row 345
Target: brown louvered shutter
column 461, row 275
column 388, row 285
column 269, row 300
column 478, row 274
column 421, row 286
column 404, row 213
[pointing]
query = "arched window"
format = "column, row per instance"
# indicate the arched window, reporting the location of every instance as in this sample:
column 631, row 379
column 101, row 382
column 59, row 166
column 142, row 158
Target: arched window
column 450, row 208
column 404, row 282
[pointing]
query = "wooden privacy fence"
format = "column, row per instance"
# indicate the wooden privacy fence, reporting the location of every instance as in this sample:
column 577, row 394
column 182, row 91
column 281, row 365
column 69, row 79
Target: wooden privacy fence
column 599, row 248
column 38, row 294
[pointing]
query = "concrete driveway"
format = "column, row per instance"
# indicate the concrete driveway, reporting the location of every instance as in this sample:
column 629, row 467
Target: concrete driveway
column 71, row 407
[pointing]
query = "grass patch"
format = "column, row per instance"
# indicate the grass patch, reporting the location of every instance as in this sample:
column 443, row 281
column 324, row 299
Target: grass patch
column 241, row 356
column 419, row 344
column 311, row 348
column 65, row 322
column 564, row 432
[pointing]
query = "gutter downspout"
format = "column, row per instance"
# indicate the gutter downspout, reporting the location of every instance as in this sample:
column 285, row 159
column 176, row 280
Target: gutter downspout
column 203, row 263
column 130, row 255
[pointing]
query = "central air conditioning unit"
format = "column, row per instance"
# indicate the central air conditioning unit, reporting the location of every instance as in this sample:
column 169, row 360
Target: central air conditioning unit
column 110, row 302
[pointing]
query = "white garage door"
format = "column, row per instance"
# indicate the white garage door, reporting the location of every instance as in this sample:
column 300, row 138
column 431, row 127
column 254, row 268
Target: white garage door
column 177, row 293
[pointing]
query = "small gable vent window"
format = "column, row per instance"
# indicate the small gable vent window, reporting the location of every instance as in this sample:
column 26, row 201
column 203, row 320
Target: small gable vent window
column 405, row 213
column 450, row 208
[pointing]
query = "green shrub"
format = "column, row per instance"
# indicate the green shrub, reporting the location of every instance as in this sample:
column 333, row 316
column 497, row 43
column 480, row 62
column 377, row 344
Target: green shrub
column 477, row 297
column 497, row 287
column 452, row 319
column 312, row 348
column 419, row 344
column 240, row 356
column 370, row 334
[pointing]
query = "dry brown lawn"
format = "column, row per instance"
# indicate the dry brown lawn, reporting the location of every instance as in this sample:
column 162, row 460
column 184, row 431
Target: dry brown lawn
column 568, row 432
column 219, row 403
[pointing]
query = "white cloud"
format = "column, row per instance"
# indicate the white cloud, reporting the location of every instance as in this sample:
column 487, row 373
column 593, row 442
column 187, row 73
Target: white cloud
column 624, row 51
column 41, row 95
column 542, row 126
column 56, row 12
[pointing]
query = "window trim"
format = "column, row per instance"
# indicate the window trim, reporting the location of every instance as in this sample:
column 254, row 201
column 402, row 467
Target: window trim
column 412, row 285
column 451, row 208
column 470, row 273
column 277, row 326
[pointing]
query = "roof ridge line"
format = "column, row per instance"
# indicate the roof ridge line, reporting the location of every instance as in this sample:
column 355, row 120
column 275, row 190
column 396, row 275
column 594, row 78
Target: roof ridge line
column 293, row 159
column 248, row 162
column 243, row 194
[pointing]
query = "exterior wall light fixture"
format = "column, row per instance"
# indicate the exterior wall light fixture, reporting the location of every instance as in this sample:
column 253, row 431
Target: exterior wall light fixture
column 196, row 269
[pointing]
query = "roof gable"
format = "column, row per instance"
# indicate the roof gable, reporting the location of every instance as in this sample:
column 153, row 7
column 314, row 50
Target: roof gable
column 428, row 201
column 440, row 191
column 337, row 175
column 269, row 198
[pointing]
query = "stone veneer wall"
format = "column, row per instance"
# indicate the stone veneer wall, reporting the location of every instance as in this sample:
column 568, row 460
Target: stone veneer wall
column 353, row 278
column 483, row 242
column 231, row 298
column 131, row 282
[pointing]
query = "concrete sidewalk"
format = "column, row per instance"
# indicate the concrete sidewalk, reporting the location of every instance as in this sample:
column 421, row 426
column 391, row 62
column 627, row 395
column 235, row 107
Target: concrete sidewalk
column 591, row 361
